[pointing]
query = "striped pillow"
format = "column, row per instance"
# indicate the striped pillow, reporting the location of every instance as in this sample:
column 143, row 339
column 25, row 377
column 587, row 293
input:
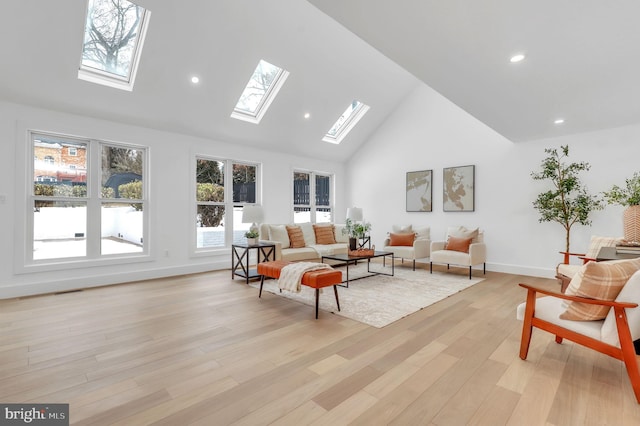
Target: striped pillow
column 296, row 239
column 599, row 280
column 324, row 234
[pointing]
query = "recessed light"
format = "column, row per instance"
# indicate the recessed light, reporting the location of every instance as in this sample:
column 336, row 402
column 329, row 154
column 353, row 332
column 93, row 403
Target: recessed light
column 559, row 121
column 517, row 58
column 195, row 79
column 307, row 115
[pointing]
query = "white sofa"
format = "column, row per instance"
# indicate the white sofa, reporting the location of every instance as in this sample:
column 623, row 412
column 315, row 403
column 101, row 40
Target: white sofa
column 312, row 252
column 419, row 248
column 475, row 254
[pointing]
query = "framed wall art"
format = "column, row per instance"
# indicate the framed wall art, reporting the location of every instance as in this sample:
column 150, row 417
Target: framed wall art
column 419, row 191
column 458, row 189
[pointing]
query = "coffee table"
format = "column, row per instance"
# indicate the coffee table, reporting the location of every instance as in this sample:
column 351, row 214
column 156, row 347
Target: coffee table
column 352, row 260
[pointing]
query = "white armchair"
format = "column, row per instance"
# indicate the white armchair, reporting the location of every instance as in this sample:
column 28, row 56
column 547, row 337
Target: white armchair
column 406, row 242
column 463, row 247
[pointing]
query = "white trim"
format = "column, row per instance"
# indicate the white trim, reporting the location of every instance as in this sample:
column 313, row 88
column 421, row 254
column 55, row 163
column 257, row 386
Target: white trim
column 349, row 124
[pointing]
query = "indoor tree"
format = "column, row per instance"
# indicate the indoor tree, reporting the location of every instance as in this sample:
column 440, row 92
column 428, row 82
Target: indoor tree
column 568, row 201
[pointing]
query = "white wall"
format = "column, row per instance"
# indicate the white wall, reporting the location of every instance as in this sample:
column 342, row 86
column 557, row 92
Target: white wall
column 171, row 224
column 429, row 132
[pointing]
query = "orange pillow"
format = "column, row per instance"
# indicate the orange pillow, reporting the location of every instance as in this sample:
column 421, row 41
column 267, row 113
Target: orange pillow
column 324, row 234
column 296, row 238
column 401, row 239
column 458, row 244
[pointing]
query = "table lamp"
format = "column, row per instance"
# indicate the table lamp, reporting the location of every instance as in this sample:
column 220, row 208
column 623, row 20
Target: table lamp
column 252, row 214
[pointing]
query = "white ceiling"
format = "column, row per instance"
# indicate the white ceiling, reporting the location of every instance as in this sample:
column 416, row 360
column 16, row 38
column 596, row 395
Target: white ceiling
column 221, row 41
column 583, row 63
column 583, row 57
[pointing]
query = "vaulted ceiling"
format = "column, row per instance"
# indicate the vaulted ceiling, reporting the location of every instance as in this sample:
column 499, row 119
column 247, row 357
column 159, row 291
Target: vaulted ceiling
column 582, row 57
column 581, row 64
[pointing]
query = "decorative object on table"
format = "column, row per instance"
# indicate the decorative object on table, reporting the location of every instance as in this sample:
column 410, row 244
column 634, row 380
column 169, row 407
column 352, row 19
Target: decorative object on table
column 458, row 189
column 363, row 252
column 568, row 202
column 355, row 227
column 252, row 214
column 628, row 247
column 628, row 197
column 419, row 189
column 252, row 237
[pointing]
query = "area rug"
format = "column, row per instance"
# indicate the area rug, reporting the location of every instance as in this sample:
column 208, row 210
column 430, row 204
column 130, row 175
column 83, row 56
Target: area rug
column 380, row 300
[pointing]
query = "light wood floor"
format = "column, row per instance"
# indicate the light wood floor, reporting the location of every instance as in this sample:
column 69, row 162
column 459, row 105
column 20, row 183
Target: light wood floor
column 203, row 349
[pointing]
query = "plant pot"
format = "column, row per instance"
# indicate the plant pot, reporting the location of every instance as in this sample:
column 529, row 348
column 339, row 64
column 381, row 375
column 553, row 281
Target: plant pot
column 252, row 241
column 353, row 242
column 631, row 223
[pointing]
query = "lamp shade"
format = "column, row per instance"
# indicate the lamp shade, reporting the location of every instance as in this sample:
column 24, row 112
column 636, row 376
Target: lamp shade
column 252, row 214
column 354, row 213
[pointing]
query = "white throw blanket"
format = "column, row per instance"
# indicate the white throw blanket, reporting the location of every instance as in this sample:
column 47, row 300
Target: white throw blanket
column 291, row 275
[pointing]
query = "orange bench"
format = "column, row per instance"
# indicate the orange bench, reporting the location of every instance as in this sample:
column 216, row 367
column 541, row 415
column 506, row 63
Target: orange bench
column 314, row 279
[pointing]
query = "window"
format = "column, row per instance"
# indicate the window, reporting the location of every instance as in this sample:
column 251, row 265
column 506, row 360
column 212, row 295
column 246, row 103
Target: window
column 72, row 218
column 73, row 151
column 263, row 86
column 219, row 206
column 113, row 38
column 347, row 121
column 312, row 203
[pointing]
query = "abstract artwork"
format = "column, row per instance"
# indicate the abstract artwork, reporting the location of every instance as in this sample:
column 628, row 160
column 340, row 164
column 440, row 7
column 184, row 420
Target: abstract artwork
column 459, row 185
column 419, row 191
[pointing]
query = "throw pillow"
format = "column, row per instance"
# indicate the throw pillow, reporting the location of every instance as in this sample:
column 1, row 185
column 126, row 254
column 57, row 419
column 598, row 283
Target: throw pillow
column 279, row 233
column 423, row 233
column 458, row 244
column 462, row 232
column 324, row 234
column 296, row 238
column 340, row 237
column 401, row 239
column 401, row 229
column 599, row 280
column 307, row 231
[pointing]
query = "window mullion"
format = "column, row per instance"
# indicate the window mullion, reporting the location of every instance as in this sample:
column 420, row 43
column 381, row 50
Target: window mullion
column 94, row 203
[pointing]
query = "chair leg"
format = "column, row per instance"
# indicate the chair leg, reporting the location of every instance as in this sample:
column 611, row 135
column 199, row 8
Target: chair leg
column 335, row 290
column 261, row 284
column 469, row 272
column 628, row 351
column 317, row 300
column 530, row 308
column 484, row 268
column 414, row 264
column 431, row 267
column 558, row 339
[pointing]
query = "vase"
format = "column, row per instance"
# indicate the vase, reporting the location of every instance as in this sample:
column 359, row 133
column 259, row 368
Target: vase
column 353, row 243
column 252, row 241
column 631, row 223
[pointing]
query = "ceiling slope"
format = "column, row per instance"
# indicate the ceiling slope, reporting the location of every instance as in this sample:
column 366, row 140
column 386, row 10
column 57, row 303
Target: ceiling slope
column 582, row 57
column 221, row 42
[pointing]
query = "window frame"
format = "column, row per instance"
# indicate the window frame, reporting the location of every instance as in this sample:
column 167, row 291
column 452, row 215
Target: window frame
column 105, row 78
column 228, row 202
column 349, row 123
column 313, row 206
column 266, row 100
column 25, row 262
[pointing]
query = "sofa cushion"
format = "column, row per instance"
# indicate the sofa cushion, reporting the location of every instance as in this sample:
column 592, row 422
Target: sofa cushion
column 340, row 237
column 599, row 280
column 463, row 232
column 458, row 244
column 401, row 239
column 279, row 234
column 304, row 253
column 309, row 234
column 423, row 233
column 330, row 249
column 296, row 238
column 324, row 234
column 401, row 229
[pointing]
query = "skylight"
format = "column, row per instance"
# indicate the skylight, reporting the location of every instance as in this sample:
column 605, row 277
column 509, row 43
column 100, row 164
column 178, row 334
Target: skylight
column 263, row 86
column 346, row 122
column 113, row 37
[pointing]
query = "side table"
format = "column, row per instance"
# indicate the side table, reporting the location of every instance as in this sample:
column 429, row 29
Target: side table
column 240, row 258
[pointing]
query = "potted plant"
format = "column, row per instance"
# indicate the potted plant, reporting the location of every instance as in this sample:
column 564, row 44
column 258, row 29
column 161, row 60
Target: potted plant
column 568, row 201
column 355, row 231
column 252, row 237
column 628, row 197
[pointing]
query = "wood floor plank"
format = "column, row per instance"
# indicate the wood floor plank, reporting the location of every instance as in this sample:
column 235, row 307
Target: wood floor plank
column 204, row 349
